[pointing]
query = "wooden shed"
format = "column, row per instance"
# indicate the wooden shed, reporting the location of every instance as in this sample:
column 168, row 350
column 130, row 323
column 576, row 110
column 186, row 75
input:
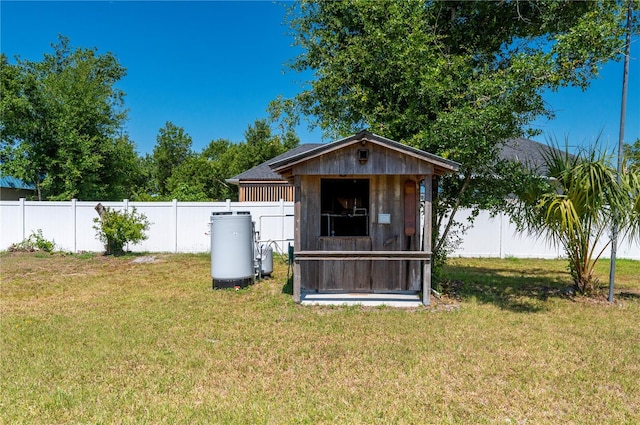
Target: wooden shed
column 357, row 216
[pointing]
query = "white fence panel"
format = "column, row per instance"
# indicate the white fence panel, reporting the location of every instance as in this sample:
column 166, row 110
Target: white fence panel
column 174, row 226
column 497, row 237
column 11, row 222
column 55, row 219
column 192, row 226
column 85, row 234
column 184, row 227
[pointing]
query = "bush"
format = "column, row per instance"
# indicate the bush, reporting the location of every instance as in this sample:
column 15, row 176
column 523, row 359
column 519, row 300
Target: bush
column 35, row 242
column 117, row 228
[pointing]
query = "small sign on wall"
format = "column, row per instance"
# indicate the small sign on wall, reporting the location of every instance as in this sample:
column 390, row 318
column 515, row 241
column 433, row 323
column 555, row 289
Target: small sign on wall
column 384, row 218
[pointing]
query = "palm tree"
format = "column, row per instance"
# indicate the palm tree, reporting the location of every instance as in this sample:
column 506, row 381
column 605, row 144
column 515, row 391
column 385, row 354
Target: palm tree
column 575, row 206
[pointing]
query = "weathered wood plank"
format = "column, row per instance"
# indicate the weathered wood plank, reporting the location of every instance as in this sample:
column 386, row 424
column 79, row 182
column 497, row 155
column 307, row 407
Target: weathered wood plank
column 426, row 246
column 297, row 208
column 336, row 273
column 381, row 161
column 362, row 255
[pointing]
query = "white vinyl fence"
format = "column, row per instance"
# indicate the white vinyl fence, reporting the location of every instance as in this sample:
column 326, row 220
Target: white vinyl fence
column 184, row 227
column 175, row 226
column 497, row 237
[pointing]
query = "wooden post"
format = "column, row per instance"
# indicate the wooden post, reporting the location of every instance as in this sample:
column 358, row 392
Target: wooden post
column 296, row 239
column 426, row 244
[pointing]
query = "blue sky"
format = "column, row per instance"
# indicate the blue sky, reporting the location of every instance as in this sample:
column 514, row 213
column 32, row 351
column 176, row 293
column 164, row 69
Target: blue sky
column 213, row 67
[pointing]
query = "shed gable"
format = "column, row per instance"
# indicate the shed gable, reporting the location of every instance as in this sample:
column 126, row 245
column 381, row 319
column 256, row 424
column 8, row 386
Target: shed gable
column 363, row 158
column 363, row 154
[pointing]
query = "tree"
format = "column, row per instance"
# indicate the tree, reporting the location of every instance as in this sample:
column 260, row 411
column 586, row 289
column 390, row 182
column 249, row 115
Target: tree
column 117, row 228
column 455, row 78
column 193, row 180
column 631, row 177
column 120, row 167
column 202, row 177
column 61, row 120
column 632, row 155
column 144, row 184
column 575, row 206
column 173, row 147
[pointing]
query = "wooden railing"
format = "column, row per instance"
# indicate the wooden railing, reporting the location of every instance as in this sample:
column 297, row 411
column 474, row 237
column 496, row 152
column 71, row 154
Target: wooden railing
column 362, row 255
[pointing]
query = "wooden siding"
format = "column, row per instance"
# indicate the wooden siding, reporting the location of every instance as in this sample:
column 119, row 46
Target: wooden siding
column 385, row 197
column 381, row 161
column 309, row 223
column 265, row 192
column 344, row 274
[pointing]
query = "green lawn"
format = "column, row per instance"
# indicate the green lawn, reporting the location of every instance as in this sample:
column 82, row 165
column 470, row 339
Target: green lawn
column 93, row 339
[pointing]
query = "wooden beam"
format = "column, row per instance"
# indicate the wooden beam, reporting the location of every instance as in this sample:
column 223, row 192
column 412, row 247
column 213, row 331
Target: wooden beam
column 426, row 239
column 362, row 255
column 297, row 196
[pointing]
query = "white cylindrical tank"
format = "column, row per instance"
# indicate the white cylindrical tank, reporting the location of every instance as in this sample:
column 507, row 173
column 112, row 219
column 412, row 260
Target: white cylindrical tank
column 266, row 260
column 231, row 249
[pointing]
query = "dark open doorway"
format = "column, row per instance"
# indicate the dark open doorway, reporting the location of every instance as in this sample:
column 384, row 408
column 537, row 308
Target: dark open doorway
column 345, row 207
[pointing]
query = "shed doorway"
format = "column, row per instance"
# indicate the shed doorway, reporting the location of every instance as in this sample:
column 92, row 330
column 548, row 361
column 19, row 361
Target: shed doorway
column 345, row 207
column 344, row 226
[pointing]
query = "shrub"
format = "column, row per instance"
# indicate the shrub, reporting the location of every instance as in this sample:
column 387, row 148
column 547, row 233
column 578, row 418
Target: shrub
column 35, row 242
column 117, row 228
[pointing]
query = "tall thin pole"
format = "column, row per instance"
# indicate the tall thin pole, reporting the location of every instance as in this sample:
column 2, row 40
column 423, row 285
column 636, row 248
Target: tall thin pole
column 623, row 116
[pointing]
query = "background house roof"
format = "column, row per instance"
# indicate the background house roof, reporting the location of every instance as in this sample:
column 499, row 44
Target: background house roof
column 10, row 182
column 528, row 152
column 263, row 172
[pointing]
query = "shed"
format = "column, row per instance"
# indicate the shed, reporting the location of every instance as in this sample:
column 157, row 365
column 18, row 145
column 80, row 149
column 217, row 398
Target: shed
column 357, row 216
column 262, row 184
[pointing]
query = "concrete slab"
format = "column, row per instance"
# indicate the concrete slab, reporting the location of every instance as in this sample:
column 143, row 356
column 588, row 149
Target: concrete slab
column 364, row 299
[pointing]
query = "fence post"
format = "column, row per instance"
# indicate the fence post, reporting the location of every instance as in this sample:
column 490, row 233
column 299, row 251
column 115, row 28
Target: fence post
column 501, row 253
column 125, row 210
column 281, row 213
column 228, row 204
column 174, row 209
column 74, row 220
column 22, row 223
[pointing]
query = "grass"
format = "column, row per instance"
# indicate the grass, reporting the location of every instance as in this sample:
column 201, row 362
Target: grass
column 98, row 339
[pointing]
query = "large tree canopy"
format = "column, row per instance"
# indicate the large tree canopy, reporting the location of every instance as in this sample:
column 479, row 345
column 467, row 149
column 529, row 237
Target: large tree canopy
column 201, row 177
column 173, row 147
column 60, row 120
column 438, row 73
column 455, row 78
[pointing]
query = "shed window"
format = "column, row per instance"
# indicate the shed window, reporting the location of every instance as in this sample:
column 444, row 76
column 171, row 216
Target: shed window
column 345, row 207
